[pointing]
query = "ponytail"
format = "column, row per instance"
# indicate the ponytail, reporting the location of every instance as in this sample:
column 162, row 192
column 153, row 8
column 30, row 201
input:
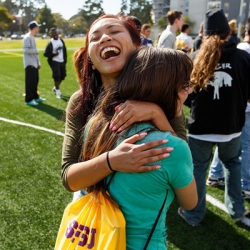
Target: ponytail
column 207, row 60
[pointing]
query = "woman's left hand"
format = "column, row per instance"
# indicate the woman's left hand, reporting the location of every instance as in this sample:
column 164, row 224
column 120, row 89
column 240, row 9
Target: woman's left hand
column 133, row 111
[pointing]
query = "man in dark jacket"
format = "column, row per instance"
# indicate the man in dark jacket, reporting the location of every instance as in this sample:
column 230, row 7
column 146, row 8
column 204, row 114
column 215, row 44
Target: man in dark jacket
column 57, row 59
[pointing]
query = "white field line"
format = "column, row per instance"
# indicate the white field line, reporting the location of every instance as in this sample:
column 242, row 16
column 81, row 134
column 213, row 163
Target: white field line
column 209, row 198
column 222, row 206
column 32, row 126
column 216, row 203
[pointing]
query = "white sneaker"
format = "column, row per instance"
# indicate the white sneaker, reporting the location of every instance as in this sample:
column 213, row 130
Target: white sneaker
column 245, row 194
column 58, row 94
column 54, row 89
column 244, row 215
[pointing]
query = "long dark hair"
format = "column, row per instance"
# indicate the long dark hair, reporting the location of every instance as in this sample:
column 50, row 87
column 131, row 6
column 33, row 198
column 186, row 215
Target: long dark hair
column 152, row 75
column 89, row 79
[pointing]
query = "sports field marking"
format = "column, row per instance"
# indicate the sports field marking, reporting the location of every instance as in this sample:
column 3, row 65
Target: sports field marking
column 222, row 206
column 32, row 126
column 209, row 198
column 8, row 56
column 12, row 54
column 216, row 203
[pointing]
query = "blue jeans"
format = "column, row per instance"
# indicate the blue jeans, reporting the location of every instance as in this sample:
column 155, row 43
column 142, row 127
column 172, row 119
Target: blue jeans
column 229, row 153
column 245, row 154
column 216, row 169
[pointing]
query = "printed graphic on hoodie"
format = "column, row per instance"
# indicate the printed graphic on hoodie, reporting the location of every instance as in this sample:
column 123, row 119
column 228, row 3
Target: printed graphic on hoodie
column 220, row 78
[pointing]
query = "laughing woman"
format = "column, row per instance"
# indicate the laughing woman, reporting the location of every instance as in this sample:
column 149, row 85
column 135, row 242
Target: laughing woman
column 110, row 42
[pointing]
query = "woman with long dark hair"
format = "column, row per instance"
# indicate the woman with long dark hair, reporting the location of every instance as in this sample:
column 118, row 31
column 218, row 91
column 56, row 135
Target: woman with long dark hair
column 110, row 42
column 161, row 77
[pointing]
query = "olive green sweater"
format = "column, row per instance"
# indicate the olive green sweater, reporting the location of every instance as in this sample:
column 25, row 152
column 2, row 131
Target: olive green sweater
column 73, row 138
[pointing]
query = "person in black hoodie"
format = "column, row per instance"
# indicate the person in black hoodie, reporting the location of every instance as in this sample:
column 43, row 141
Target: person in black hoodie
column 57, row 58
column 221, row 79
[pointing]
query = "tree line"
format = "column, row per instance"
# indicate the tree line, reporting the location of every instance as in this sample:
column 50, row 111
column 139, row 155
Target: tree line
column 16, row 14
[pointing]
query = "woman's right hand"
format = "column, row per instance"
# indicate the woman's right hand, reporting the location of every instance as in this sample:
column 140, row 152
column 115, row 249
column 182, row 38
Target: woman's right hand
column 130, row 157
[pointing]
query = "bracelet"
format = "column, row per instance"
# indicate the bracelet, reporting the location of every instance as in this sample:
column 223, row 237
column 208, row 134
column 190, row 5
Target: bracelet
column 107, row 157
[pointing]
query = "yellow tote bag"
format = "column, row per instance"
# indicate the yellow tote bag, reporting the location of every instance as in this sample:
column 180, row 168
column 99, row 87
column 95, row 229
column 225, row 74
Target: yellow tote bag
column 90, row 224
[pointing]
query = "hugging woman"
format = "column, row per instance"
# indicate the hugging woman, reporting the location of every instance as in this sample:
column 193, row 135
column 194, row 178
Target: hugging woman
column 157, row 76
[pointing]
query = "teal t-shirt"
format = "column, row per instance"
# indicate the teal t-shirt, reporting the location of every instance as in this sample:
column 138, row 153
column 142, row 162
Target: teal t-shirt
column 141, row 195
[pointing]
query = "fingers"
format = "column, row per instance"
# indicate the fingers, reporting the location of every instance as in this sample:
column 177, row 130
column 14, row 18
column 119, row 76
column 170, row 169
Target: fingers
column 149, row 145
column 151, row 159
column 133, row 139
column 121, row 115
column 121, row 119
column 131, row 120
column 118, row 109
column 155, row 158
column 147, row 168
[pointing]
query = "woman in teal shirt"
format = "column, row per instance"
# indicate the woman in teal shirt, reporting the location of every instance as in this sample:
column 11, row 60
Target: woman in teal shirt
column 162, row 77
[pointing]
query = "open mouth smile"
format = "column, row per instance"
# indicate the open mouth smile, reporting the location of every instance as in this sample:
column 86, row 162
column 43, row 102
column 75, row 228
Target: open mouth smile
column 109, row 52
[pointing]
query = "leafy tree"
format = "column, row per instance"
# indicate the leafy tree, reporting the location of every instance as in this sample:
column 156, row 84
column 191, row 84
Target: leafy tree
column 60, row 22
column 162, row 22
column 124, row 6
column 190, row 22
column 11, row 7
column 28, row 9
column 78, row 25
column 91, row 10
column 46, row 19
column 142, row 10
column 5, row 18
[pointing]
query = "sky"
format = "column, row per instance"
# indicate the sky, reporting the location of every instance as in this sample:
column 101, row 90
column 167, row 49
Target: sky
column 68, row 8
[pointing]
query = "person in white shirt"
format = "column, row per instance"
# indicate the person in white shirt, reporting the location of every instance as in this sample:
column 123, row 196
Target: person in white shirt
column 184, row 41
column 57, row 59
column 167, row 38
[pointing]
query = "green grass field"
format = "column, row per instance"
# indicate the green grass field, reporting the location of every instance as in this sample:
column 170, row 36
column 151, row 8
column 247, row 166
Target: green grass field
column 41, row 43
column 32, row 198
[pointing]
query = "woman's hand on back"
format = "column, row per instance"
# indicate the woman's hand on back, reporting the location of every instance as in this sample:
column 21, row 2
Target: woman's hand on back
column 130, row 157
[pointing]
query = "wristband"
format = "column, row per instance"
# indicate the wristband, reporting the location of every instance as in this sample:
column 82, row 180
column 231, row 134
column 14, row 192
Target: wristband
column 107, row 157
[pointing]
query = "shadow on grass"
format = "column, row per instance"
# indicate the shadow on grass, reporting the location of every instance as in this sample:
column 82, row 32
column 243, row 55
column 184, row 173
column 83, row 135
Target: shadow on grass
column 65, row 98
column 59, row 114
column 213, row 233
column 219, row 187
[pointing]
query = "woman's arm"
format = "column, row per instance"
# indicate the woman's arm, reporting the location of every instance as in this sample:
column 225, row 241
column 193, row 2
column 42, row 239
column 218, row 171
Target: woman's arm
column 180, row 174
column 127, row 157
column 187, row 197
column 134, row 111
